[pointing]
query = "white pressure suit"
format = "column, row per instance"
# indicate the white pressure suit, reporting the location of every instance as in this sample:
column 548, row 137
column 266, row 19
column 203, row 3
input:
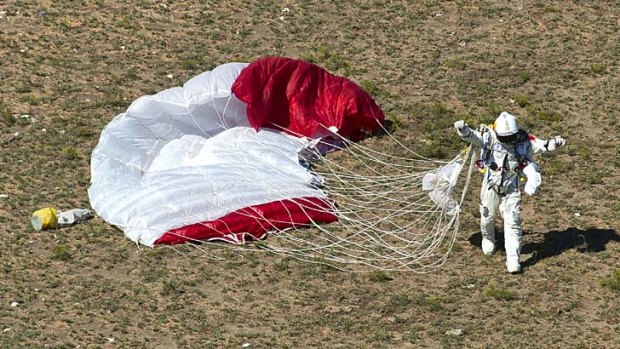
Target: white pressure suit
column 504, row 164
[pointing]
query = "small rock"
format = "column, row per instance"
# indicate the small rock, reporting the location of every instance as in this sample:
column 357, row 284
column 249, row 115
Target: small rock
column 110, row 339
column 246, row 345
column 577, row 214
column 281, row 18
column 169, row 76
column 454, row 332
column 286, row 9
column 14, row 304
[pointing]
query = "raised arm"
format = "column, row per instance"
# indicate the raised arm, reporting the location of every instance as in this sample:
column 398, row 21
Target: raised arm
column 540, row 145
column 467, row 134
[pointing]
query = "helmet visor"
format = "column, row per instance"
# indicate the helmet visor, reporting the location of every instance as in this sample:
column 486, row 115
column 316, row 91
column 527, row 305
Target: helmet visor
column 508, row 139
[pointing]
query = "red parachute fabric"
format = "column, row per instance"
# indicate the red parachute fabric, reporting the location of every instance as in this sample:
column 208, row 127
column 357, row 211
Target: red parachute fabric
column 304, row 99
column 252, row 223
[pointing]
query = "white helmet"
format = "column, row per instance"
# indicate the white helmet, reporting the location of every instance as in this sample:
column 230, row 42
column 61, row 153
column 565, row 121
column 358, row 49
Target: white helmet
column 506, row 125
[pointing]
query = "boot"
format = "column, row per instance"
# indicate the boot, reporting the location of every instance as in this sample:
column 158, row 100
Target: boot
column 488, row 246
column 512, row 265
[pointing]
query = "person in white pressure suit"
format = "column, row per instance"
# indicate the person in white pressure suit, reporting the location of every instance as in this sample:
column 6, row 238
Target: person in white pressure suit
column 506, row 156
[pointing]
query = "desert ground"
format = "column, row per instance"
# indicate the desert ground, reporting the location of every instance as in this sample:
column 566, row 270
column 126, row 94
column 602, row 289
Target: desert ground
column 67, row 68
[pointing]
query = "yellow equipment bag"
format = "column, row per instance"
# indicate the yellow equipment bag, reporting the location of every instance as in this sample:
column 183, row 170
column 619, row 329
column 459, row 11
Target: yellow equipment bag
column 44, row 218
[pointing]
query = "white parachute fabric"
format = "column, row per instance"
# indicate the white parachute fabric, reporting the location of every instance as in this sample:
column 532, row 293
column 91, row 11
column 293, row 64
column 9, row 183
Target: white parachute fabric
column 187, row 155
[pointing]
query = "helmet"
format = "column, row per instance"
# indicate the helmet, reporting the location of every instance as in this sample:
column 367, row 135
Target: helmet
column 506, row 125
column 506, row 128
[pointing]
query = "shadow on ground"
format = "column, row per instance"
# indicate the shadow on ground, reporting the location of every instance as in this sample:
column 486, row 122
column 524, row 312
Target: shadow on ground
column 556, row 242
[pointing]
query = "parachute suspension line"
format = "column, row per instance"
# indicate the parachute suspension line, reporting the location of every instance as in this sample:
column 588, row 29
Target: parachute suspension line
column 382, row 127
column 389, row 218
column 223, row 123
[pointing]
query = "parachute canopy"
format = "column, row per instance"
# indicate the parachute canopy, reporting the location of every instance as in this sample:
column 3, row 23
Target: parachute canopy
column 304, row 99
column 220, row 157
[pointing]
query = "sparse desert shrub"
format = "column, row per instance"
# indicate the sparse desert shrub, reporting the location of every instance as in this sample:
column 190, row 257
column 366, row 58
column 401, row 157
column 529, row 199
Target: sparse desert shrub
column 613, row 281
column 525, row 76
column 549, row 115
column 379, row 276
column 330, row 60
column 558, row 166
column 371, row 87
column 501, row 294
column 522, row 100
column 5, row 113
column 61, row 252
column 70, row 153
column 429, row 302
column 598, row 68
column 594, row 177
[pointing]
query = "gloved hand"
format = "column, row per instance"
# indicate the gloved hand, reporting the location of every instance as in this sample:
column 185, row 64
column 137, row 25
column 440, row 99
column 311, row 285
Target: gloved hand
column 534, row 179
column 460, row 125
column 555, row 143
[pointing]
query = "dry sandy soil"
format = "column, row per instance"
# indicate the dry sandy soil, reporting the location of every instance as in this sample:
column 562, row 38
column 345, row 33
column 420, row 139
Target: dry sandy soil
column 67, row 68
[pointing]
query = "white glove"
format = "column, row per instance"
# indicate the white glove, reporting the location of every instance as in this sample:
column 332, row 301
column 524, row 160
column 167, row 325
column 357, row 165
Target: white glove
column 460, row 125
column 555, row 143
column 534, row 179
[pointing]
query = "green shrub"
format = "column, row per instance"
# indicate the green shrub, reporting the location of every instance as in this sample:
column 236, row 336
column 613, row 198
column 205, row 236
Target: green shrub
column 70, row 153
column 598, row 68
column 522, row 101
column 499, row 293
column 549, row 115
column 61, row 252
column 370, row 87
column 379, row 276
column 5, row 112
column 525, row 76
column 612, row 282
